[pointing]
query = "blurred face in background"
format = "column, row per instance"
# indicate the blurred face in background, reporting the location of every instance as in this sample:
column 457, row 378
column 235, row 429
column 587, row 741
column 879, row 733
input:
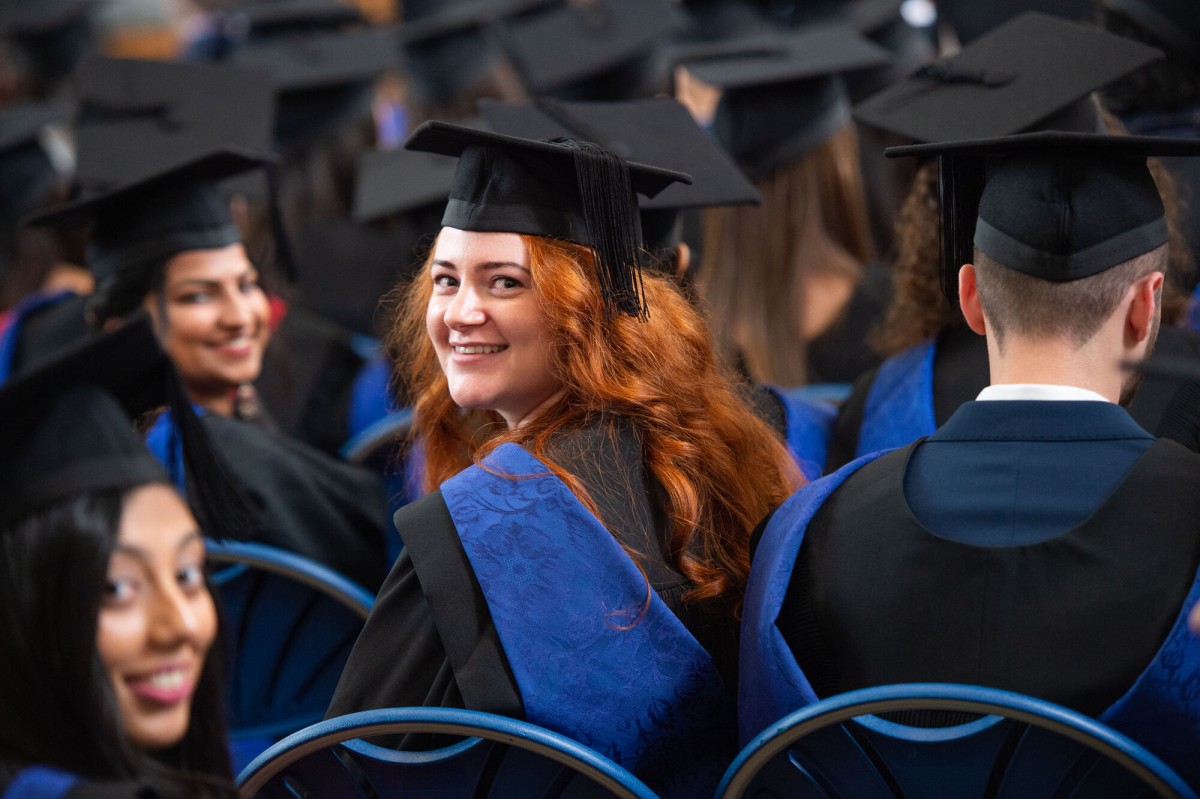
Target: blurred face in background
column 212, row 318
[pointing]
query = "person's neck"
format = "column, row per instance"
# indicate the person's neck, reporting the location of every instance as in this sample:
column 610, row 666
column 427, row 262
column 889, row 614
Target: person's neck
column 1057, row 363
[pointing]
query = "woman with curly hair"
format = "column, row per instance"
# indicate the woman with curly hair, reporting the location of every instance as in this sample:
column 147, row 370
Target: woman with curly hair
column 595, row 474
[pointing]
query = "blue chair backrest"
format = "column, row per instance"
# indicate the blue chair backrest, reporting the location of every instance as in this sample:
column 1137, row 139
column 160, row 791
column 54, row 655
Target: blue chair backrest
column 496, row 757
column 1001, row 745
column 290, row 624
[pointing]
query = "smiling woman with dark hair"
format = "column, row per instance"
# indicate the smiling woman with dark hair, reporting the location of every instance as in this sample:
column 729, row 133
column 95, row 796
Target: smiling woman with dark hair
column 111, row 675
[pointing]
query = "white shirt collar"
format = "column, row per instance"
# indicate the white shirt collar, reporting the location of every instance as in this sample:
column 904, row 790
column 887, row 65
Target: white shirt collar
column 1038, row 391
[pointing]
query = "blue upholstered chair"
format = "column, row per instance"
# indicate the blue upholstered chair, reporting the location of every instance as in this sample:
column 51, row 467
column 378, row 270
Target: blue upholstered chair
column 1002, row 745
column 492, row 757
column 290, row 624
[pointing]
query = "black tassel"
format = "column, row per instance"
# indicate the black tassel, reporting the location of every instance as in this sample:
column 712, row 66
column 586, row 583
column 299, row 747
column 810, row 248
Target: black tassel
column 611, row 213
column 960, row 183
column 222, row 508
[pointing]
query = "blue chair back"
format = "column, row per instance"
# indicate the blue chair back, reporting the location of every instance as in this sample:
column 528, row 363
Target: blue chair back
column 290, row 624
column 1001, row 745
column 496, row 757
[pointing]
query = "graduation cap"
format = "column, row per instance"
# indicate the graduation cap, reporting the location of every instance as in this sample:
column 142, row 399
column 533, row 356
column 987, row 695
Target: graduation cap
column 320, row 80
column 32, row 165
column 1010, row 80
column 52, row 34
column 137, row 117
column 1175, row 23
column 782, row 96
column 1060, row 205
column 66, row 428
column 136, row 226
column 598, row 50
column 263, row 19
column 653, row 131
column 566, row 189
column 450, row 45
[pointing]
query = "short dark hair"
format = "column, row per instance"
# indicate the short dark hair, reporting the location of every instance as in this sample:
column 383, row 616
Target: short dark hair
column 1075, row 309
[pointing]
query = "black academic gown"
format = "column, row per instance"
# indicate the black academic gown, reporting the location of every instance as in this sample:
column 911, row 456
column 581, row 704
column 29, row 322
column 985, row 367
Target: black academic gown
column 309, row 503
column 402, row 658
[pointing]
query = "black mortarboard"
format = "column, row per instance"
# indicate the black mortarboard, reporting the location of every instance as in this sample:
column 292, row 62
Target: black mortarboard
column 582, row 47
column 52, row 34
column 655, row 131
column 1175, row 23
column 781, row 94
column 564, row 189
column 393, row 181
column 450, row 44
column 320, row 80
column 137, row 226
column 1005, row 82
column 29, row 171
column 263, row 19
column 23, row 17
column 66, row 428
column 138, row 118
column 1063, row 205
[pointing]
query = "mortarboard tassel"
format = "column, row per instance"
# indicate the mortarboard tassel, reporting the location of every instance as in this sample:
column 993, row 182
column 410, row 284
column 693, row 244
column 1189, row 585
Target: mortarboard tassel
column 223, row 508
column 611, row 213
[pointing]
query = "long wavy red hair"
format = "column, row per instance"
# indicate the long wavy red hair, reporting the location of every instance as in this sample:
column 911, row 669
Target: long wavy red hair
column 720, row 467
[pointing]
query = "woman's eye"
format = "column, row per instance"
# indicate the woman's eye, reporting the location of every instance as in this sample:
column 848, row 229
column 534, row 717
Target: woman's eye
column 249, row 285
column 119, row 590
column 193, row 297
column 505, row 282
column 445, row 281
column 191, row 577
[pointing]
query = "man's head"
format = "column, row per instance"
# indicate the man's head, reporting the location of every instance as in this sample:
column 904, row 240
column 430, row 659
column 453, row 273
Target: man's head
column 1071, row 247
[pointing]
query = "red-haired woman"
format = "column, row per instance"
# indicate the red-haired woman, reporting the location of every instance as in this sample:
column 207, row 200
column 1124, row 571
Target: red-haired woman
column 595, row 474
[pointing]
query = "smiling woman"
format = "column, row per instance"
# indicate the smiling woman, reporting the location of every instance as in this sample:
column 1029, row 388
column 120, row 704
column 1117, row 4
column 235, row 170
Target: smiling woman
column 167, row 244
column 594, row 473
column 110, row 682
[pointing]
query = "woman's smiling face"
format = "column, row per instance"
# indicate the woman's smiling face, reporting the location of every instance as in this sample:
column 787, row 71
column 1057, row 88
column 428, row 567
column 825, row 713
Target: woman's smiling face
column 157, row 620
column 491, row 337
column 212, row 317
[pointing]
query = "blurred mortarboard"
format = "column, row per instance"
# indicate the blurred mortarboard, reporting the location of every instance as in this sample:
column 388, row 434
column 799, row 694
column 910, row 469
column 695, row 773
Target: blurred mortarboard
column 782, row 96
column 138, row 118
column 136, row 226
column 598, row 50
column 653, row 131
column 1005, row 82
column 450, row 44
column 563, row 189
column 66, row 428
column 320, row 80
column 1175, row 23
column 38, row 17
column 396, row 181
column 262, row 19
column 52, row 35
column 33, row 163
column 1062, row 205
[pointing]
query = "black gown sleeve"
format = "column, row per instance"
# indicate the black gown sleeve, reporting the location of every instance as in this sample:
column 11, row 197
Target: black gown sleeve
column 430, row 644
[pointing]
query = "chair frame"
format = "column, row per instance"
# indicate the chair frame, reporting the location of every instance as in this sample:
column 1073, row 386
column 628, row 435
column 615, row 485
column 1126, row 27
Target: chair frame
column 303, row 570
column 448, row 721
column 949, row 697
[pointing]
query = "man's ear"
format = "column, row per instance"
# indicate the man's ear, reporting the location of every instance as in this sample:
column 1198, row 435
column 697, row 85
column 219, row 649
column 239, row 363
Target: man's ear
column 683, row 260
column 968, row 299
column 1144, row 307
